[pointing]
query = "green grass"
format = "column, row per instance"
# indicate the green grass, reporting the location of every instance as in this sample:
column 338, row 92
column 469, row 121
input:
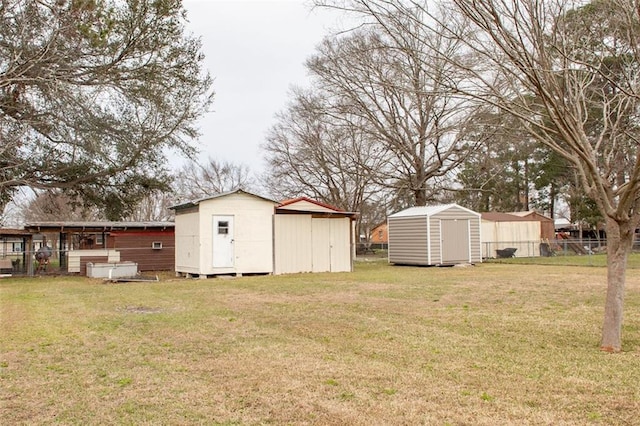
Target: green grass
column 599, row 260
column 484, row 345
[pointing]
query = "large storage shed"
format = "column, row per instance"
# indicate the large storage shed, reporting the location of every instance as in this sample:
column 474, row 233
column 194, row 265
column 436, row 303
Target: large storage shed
column 434, row 235
column 228, row 233
column 547, row 227
column 502, row 231
column 310, row 236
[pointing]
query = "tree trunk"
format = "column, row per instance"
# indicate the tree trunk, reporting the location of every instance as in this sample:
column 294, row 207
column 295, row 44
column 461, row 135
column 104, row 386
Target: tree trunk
column 552, row 201
column 619, row 243
column 421, row 197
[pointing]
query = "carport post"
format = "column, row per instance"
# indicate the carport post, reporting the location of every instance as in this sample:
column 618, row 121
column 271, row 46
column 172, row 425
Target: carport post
column 28, row 255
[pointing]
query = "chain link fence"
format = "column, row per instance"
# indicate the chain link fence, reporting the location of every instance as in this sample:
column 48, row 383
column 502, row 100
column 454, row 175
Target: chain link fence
column 509, row 249
column 17, row 262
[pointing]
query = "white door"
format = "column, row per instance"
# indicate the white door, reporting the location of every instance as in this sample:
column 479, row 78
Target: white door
column 321, row 245
column 331, row 250
column 222, row 241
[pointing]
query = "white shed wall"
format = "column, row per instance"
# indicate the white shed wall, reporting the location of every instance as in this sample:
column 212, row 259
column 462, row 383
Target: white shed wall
column 522, row 235
column 307, row 244
column 292, row 245
column 252, row 234
column 187, row 234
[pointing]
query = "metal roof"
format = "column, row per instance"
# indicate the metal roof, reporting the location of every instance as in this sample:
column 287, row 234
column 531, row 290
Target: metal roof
column 289, row 206
column 194, row 203
column 13, row 232
column 429, row 210
column 96, row 226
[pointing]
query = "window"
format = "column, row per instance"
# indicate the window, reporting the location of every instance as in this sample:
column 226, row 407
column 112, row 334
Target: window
column 223, row 227
column 156, row 245
column 17, row 247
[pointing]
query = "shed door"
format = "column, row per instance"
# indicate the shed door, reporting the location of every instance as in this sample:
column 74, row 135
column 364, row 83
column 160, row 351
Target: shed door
column 331, row 245
column 321, row 245
column 455, row 240
column 222, row 241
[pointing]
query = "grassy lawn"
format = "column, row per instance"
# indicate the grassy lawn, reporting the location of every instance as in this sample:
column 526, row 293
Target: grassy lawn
column 599, row 260
column 485, row 345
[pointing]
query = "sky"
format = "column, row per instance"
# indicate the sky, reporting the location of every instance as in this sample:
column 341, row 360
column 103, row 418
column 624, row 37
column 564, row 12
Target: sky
column 255, row 50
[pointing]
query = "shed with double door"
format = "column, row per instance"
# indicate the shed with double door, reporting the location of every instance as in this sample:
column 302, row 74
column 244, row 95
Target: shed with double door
column 445, row 234
column 227, row 233
column 310, row 236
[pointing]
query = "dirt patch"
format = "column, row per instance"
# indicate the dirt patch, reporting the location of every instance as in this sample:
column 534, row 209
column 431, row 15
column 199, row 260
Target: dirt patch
column 142, row 310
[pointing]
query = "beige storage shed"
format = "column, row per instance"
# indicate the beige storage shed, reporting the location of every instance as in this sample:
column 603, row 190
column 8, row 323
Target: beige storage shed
column 434, row 235
column 310, row 236
column 228, row 233
column 547, row 226
column 502, row 231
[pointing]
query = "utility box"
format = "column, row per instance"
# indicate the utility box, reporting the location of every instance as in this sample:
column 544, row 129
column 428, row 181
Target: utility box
column 112, row 270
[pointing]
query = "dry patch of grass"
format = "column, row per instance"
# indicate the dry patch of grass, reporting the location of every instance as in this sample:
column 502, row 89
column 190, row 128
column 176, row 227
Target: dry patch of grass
column 598, row 260
column 492, row 344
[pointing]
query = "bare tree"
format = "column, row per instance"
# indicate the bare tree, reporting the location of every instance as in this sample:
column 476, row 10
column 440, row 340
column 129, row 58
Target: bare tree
column 389, row 81
column 153, row 207
column 311, row 153
column 94, row 93
column 54, row 205
column 569, row 72
column 195, row 180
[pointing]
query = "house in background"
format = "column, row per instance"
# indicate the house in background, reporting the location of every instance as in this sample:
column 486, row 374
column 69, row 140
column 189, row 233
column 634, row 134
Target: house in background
column 380, row 234
column 434, row 235
column 238, row 233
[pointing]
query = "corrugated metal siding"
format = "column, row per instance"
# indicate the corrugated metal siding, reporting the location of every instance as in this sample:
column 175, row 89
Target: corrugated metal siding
column 137, row 247
column 435, row 246
column 475, row 240
column 517, row 234
column 292, row 245
column 417, row 240
column 453, row 212
column 408, row 240
column 304, row 243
